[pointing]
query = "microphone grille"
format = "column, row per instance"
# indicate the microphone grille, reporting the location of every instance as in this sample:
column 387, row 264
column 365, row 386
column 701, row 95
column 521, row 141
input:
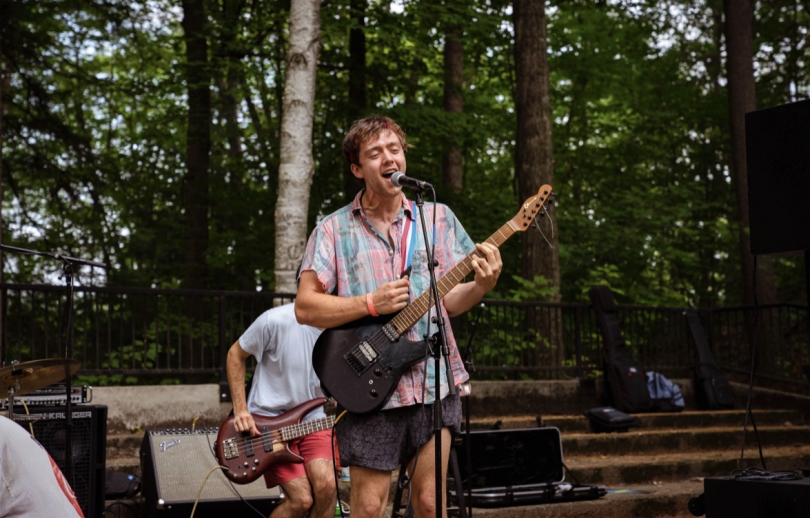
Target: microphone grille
column 395, row 178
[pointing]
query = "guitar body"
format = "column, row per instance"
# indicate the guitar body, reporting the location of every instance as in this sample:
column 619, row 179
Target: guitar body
column 360, row 366
column 247, row 457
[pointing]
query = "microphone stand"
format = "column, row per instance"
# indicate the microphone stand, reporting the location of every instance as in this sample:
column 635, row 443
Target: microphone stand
column 467, row 358
column 439, row 349
column 68, row 264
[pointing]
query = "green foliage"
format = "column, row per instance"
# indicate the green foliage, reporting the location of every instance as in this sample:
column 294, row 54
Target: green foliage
column 538, row 288
column 94, row 135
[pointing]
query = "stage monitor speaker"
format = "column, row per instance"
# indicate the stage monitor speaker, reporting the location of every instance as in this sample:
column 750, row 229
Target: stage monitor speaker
column 174, row 464
column 88, row 449
column 727, row 497
column 778, row 152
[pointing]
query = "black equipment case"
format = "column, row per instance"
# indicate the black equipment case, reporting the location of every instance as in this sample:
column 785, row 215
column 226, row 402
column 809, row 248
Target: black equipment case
column 712, row 390
column 625, row 381
column 515, row 467
column 605, row 419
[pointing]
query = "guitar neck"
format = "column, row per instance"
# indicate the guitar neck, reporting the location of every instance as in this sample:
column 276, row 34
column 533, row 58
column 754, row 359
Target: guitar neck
column 289, row 433
column 414, row 311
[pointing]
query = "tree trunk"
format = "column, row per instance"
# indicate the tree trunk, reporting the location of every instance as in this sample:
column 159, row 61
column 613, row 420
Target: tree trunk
column 357, row 61
column 452, row 172
column 742, row 99
column 230, row 88
column 297, row 165
column 198, row 144
column 357, row 79
column 533, row 168
column 533, row 163
column 4, row 83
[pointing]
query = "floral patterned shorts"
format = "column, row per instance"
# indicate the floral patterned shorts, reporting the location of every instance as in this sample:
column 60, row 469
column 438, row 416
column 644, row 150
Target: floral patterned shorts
column 386, row 439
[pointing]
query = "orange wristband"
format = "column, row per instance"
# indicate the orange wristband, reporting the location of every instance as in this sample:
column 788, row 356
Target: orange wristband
column 370, row 304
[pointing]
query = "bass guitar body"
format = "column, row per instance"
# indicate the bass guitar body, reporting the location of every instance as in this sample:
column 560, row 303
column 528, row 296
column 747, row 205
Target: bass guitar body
column 360, row 363
column 247, row 457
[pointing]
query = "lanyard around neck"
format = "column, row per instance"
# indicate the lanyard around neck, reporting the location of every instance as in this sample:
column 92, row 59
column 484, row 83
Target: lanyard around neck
column 408, row 242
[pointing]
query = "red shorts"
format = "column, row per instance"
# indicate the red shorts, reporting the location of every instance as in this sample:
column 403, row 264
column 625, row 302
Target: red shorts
column 316, row 445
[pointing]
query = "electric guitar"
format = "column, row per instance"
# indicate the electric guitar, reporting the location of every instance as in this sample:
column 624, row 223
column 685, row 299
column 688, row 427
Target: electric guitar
column 247, row 457
column 360, row 363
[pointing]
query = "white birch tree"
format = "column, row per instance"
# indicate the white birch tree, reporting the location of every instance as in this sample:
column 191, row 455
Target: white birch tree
column 297, row 165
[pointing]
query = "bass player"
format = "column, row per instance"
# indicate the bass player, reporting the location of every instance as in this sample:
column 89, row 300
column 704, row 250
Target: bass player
column 362, row 251
column 284, row 379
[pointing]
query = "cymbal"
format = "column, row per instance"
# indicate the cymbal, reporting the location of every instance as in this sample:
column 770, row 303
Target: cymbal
column 35, row 374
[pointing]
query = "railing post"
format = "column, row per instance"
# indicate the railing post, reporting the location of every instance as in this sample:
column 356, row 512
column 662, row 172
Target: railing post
column 224, row 389
column 2, row 326
column 711, row 333
column 578, row 340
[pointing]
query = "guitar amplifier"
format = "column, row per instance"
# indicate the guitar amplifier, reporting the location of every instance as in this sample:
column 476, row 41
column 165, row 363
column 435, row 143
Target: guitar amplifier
column 53, row 395
column 88, row 449
column 174, row 466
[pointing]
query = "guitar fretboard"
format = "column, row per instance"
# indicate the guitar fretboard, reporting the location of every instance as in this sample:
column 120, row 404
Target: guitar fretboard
column 414, row 311
column 288, row 433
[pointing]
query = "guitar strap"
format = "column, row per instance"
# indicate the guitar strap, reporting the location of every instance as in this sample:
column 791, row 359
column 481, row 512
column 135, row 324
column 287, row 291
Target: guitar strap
column 408, row 242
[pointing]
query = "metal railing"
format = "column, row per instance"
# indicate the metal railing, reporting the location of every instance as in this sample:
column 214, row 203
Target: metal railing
column 141, row 335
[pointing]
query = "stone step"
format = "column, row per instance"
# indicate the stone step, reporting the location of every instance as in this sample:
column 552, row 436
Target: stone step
column 124, row 445
column 673, row 467
column 638, row 442
column 128, row 465
column 680, row 420
column 662, row 500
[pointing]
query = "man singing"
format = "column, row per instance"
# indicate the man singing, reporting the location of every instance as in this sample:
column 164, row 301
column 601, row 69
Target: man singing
column 359, row 253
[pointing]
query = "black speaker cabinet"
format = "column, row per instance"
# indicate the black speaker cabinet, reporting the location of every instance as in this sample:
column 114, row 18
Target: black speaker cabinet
column 88, row 449
column 174, row 464
column 778, row 154
column 511, row 457
column 727, row 497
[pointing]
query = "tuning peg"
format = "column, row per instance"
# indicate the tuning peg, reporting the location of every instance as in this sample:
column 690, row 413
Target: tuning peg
column 542, row 213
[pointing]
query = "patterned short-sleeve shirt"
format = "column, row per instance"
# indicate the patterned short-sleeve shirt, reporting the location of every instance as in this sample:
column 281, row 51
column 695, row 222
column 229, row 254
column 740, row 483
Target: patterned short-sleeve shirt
column 348, row 253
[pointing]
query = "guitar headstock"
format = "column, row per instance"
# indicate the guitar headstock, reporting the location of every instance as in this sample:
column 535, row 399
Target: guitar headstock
column 532, row 208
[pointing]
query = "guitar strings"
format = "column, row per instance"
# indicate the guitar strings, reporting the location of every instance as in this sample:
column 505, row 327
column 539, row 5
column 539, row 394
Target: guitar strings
column 537, row 225
column 324, row 423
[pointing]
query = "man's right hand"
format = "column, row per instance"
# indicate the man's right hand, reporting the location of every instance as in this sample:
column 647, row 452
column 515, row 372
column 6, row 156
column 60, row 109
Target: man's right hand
column 243, row 422
column 391, row 296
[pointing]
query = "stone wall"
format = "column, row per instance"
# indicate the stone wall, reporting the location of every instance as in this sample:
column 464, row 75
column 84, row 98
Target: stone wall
column 159, row 406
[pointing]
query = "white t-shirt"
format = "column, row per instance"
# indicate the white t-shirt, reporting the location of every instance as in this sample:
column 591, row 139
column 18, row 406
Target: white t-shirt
column 284, row 377
column 31, row 484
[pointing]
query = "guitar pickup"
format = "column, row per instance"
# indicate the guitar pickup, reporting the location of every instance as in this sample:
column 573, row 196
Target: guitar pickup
column 267, row 440
column 361, row 356
column 229, row 449
column 249, row 446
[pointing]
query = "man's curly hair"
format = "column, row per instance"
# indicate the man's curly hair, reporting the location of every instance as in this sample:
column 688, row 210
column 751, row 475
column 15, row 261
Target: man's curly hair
column 368, row 128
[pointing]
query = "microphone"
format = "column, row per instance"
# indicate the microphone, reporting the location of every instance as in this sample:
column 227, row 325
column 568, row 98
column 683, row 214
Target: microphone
column 400, row 180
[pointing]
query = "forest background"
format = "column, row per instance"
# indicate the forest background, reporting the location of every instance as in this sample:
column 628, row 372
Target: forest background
column 96, row 134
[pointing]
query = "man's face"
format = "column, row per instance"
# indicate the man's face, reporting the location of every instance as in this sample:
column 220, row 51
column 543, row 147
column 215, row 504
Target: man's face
column 379, row 157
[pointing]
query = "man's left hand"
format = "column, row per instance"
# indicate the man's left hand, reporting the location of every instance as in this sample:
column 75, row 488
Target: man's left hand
column 487, row 267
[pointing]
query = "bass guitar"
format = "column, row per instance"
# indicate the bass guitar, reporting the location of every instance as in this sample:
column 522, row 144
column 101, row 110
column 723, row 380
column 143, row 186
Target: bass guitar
column 360, row 363
column 247, row 457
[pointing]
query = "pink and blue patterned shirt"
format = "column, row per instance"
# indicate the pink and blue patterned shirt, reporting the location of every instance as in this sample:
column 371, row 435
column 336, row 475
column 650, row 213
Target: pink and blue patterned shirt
column 348, row 253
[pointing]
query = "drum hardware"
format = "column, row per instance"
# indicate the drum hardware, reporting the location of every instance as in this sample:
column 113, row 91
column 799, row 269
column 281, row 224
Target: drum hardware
column 21, row 378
